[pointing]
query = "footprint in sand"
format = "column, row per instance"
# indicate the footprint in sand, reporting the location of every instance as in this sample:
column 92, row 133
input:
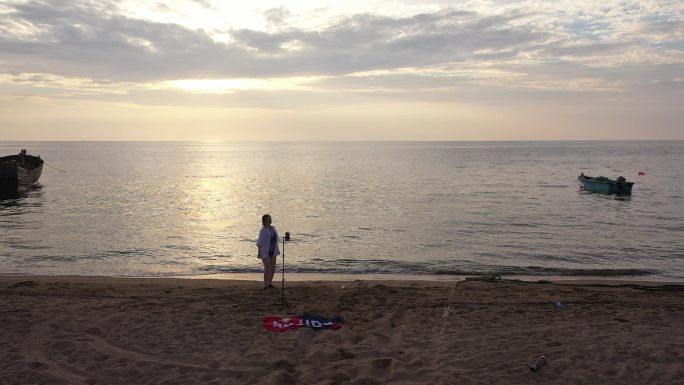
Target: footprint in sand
column 94, row 331
column 40, row 366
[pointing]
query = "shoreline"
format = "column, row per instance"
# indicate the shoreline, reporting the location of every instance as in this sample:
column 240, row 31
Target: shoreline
column 335, row 277
column 300, row 277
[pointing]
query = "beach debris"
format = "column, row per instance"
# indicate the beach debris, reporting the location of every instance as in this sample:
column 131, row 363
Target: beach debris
column 538, row 364
column 445, row 314
column 448, row 309
column 557, row 304
column 281, row 324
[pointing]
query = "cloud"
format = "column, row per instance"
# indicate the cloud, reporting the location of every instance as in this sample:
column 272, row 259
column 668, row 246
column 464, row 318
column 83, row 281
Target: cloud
column 518, row 51
column 86, row 40
column 276, row 17
column 658, row 31
column 83, row 39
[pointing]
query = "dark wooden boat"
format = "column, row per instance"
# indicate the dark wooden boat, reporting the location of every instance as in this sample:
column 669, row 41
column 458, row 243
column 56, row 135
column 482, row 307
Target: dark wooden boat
column 20, row 170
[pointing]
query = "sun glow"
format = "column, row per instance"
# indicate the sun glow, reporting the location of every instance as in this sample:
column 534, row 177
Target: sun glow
column 227, row 86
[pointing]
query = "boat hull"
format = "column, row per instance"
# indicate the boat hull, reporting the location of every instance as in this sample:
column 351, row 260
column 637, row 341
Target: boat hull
column 606, row 187
column 16, row 171
column 26, row 177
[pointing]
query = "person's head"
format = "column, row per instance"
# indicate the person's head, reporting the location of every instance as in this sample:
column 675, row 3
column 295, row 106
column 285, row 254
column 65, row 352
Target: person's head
column 266, row 220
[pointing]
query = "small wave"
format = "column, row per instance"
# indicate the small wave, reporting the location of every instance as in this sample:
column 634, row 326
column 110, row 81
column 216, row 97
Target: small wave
column 432, row 245
column 548, row 271
column 385, row 266
column 129, row 252
column 337, row 266
column 20, row 246
column 216, row 269
column 519, row 224
column 216, row 257
column 49, row 258
column 166, row 262
column 178, row 247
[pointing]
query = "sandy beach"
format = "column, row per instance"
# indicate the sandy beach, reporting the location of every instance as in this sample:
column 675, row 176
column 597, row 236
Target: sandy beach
column 94, row 330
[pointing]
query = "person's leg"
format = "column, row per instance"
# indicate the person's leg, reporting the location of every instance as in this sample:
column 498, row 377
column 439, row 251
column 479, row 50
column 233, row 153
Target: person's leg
column 274, row 261
column 267, row 270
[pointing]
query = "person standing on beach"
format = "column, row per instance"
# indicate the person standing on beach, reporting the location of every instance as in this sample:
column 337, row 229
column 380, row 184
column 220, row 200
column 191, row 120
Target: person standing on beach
column 267, row 246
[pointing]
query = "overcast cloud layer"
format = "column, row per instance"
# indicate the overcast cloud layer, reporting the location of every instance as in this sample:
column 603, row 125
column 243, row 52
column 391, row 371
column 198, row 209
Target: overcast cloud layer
column 440, row 52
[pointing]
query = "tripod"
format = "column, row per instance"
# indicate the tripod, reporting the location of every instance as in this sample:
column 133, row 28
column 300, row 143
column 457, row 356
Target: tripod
column 283, row 300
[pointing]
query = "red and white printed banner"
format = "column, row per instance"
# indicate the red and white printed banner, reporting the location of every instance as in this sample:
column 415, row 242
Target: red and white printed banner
column 280, row 324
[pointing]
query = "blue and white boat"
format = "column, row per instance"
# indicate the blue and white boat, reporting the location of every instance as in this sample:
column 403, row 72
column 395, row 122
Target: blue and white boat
column 603, row 185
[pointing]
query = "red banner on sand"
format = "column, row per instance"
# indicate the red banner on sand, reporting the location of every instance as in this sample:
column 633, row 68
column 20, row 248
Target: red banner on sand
column 280, row 324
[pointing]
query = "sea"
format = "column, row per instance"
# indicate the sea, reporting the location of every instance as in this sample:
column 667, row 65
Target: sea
column 158, row 209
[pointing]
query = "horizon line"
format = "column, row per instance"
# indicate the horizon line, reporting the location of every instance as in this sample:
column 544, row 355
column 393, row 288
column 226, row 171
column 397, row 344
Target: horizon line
column 345, row 141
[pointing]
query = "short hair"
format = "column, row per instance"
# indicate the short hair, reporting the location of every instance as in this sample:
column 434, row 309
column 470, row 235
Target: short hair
column 263, row 219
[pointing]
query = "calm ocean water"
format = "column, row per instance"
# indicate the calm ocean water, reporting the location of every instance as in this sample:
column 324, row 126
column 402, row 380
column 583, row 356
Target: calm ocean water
column 514, row 208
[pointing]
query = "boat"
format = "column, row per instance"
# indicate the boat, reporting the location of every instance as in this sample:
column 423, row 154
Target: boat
column 603, row 185
column 21, row 170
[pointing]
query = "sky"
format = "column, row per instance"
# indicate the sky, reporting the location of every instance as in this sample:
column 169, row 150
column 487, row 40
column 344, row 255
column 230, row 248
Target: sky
column 341, row 70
